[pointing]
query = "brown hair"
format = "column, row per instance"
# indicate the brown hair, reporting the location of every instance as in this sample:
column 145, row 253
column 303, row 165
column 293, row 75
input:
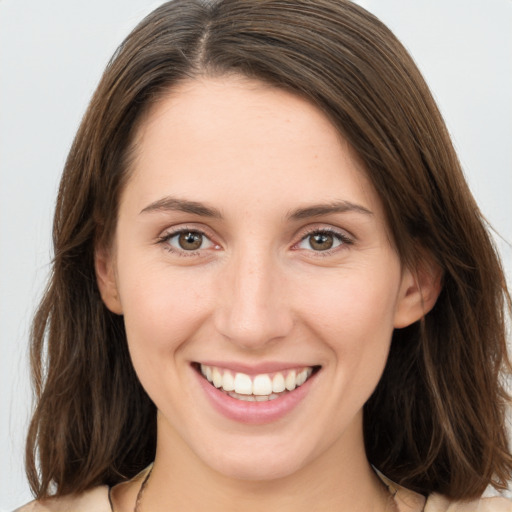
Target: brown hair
column 436, row 420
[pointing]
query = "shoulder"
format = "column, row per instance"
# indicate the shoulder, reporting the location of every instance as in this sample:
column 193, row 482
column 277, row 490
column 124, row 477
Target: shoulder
column 409, row 501
column 438, row 503
column 93, row 500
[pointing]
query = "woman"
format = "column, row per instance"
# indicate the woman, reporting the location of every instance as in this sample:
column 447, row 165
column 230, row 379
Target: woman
column 272, row 287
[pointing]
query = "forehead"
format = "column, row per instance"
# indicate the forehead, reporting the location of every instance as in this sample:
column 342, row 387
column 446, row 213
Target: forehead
column 247, row 139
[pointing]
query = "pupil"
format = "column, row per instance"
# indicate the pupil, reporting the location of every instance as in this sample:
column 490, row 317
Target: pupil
column 321, row 241
column 190, row 241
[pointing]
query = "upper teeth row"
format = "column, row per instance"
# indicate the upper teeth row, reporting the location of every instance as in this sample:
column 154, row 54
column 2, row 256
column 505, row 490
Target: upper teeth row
column 262, row 384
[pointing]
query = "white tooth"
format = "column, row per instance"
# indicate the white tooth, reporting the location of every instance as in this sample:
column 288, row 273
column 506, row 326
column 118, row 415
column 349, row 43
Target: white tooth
column 309, row 372
column 228, row 382
column 247, row 398
column 301, row 377
column 278, row 384
column 208, row 372
column 243, row 384
column 217, row 378
column 261, row 398
column 273, row 396
column 290, row 381
column 262, row 385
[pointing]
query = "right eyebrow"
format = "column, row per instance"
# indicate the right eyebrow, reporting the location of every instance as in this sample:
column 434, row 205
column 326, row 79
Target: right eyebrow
column 169, row 203
column 317, row 210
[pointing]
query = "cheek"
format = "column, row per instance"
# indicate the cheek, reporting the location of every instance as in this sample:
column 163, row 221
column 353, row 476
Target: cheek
column 161, row 309
column 353, row 301
column 162, row 312
column 353, row 315
column 355, row 321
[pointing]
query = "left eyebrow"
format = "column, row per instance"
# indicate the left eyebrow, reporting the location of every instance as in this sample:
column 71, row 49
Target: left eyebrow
column 182, row 205
column 316, row 210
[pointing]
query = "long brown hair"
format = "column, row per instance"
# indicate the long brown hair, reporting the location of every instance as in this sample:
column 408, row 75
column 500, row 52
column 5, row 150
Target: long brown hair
column 435, row 423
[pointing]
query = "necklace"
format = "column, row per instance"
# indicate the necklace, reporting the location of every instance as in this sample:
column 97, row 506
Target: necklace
column 141, row 492
column 391, row 505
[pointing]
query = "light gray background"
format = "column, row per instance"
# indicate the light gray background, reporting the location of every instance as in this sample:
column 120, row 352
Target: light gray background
column 51, row 58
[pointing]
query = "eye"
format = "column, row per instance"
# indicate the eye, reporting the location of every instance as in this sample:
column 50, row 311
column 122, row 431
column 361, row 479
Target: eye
column 323, row 241
column 187, row 241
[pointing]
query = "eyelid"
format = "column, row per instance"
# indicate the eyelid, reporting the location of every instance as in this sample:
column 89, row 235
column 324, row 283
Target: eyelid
column 170, row 232
column 343, row 235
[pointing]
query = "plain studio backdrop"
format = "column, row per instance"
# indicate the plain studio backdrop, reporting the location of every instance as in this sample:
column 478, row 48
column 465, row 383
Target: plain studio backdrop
column 51, row 57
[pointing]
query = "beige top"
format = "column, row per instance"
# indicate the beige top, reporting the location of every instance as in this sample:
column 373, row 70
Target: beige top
column 96, row 500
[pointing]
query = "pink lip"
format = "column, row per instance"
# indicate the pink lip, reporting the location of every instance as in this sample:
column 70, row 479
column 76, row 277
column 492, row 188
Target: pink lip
column 253, row 413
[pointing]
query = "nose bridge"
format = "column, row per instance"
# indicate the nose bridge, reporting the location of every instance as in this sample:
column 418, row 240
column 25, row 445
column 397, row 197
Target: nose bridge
column 252, row 310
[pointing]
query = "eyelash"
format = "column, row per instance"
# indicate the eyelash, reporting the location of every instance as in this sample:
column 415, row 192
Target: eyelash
column 342, row 238
column 165, row 239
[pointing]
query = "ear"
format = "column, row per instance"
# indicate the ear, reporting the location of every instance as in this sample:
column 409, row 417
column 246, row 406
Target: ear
column 419, row 291
column 104, row 264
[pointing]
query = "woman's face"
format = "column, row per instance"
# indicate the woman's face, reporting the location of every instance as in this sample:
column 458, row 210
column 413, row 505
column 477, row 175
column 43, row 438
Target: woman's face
column 251, row 250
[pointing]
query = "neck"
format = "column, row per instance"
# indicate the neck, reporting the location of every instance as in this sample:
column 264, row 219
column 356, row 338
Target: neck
column 339, row 479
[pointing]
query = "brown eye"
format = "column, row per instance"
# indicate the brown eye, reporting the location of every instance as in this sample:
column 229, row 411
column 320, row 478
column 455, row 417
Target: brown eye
column 321, row 241
column 190, row 241
column 183, row 242
column 187, row 243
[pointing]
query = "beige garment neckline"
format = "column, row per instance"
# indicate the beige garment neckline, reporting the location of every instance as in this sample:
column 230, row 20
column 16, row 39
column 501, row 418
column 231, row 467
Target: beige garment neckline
column 406, row 500
column 97, row 500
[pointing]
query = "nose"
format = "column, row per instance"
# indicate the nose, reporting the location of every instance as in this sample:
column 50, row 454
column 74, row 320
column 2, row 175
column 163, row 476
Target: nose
column 253, row 309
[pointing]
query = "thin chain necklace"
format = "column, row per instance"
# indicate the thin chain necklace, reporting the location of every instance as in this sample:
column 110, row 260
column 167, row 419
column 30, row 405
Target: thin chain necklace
column 141, row 492
column 391, row 505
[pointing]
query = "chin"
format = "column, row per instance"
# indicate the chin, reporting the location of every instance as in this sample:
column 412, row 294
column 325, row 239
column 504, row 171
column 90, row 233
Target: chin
column 251, row 472
column 259, row 464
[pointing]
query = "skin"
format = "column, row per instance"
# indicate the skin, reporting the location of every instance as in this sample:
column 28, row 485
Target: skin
column 256, row 291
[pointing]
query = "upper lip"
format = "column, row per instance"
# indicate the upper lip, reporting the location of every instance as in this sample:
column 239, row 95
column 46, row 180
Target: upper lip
column 257, row 368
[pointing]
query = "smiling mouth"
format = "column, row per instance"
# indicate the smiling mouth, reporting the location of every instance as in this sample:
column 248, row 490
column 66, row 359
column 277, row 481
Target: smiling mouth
column 258, row 388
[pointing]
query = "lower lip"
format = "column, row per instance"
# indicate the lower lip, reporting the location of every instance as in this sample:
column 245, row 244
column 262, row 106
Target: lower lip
column 254, row 413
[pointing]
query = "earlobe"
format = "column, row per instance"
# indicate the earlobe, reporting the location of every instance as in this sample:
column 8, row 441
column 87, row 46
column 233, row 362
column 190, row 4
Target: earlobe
column 106, row 279
column 418, row 293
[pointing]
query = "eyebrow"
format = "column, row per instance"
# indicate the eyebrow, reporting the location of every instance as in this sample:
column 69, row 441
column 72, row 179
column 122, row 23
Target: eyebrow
column 182, row 205
column 325, row 209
